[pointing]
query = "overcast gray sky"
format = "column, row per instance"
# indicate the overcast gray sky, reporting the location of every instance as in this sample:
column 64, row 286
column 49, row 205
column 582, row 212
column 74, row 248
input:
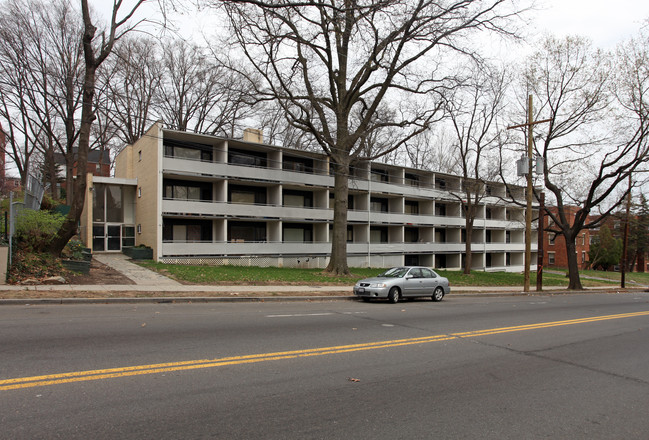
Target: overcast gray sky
column 603, row 21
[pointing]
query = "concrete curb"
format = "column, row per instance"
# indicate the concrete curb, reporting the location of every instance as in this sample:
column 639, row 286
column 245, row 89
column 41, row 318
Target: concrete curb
column 261, row 299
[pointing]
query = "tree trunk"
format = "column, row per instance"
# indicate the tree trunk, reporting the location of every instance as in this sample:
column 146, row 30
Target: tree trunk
column 338, row 259
column 573, row 265
column 69, row 227
column 467, row 247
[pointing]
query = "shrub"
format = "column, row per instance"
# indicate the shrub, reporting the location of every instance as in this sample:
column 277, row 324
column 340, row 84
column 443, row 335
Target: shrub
column 36, row 229
column 74, row 250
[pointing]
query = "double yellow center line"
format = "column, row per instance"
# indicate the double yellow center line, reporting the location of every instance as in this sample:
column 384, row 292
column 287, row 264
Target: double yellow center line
column 79, row 376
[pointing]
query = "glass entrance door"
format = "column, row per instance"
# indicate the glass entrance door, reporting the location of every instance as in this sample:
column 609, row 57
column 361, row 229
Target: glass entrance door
column 113, row 237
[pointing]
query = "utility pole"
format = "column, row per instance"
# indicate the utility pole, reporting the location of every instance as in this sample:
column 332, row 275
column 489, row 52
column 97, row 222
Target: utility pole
column 625, row 242
column 539, row 250
column 528, row 192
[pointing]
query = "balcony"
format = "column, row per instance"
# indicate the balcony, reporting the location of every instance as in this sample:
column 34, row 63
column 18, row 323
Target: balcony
column 186, row 167
column 223, row 209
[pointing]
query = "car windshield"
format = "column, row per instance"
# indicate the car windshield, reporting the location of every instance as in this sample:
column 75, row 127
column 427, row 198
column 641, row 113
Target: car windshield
column 395, row 272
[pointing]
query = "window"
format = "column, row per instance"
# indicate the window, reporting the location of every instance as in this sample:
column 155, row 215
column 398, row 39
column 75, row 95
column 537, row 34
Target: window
column 379, row 176
column 185, row 190
column 508, row 259
column 508, row 237
column 440, row 183
column 107, row 203
column 188, row 150
column 411, row 207
column 248, row 158
column 378, row 205
column 300, row 164
column 488, row 236
column 186, row 231
column 298, row 198
column 128, row 236
column 487, row 213
column 551, row 258
column 440, row 209
column 247, row 194
column 412, row 179
column 378, row 234
column 297, row 232
column 410, row 235
column 246, row 231
column 583, row 257
column 427, row 273
column 551, row 237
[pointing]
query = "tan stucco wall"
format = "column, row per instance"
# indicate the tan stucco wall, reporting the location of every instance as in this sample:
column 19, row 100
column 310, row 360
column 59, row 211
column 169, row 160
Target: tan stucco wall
column 146, row 163
column 124, row 163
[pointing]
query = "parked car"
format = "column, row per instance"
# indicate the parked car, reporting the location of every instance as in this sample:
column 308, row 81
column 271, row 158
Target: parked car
column 403, row 282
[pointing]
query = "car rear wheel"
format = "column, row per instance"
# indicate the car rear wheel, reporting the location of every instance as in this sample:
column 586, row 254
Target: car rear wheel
column 438, row 294
column 394, row 295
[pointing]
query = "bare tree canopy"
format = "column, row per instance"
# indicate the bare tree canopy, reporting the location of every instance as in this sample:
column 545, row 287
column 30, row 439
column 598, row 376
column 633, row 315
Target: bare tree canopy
column 360, row 77
column 97, row 46
column 40, row 92
column 475, row 110
column 597, row 134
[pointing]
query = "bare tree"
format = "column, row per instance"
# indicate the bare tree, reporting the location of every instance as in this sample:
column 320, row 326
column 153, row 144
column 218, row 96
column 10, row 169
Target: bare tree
column 200, row 92
column 586, row 158
column 349, row 71
column 475, row 110
column 41, row 54
column 431, row 150
column 133, row 79
column 96, row 48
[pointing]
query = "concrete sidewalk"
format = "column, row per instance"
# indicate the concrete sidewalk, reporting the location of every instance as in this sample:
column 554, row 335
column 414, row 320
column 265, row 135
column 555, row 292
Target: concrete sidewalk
column 138, row 274
column 159, row 288
column 102, row 294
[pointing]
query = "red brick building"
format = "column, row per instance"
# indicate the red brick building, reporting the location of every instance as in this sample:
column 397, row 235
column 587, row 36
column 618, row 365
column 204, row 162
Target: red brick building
column 554, row 246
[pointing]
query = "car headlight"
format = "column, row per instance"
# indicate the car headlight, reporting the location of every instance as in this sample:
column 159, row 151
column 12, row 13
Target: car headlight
column 379, row 285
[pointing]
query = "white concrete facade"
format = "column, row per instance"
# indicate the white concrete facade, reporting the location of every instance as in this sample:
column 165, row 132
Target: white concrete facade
column 225, row 201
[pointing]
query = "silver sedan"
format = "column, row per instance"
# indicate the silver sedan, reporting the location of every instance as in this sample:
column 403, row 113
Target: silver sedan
column 403, row 282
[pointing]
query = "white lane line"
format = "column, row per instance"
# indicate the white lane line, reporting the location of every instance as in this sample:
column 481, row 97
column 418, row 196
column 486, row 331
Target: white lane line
column 313, row 314
column 298, row 315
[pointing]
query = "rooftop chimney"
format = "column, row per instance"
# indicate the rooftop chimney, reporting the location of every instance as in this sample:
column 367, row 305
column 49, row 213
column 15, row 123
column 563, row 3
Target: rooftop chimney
column 253, row 135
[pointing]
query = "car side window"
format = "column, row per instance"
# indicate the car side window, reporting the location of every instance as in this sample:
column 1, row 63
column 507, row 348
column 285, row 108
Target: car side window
column 427, row 273
column 415, row 273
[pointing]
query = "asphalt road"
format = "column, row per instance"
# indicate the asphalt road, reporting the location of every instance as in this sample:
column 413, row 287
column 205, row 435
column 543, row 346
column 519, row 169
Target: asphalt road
column 559, row 367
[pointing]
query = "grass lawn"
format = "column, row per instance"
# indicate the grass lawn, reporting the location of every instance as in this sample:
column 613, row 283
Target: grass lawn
column 274, row 275
column 633, row 277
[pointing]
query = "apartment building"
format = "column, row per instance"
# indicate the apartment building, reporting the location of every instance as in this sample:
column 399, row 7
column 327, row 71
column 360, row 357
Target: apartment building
column 210, row 200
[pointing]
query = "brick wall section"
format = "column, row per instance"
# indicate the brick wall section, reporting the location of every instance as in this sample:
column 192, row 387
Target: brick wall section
column 558, row 248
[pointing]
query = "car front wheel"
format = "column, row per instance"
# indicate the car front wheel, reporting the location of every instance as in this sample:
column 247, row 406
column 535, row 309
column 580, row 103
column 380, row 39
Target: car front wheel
column 438, row 294
column 393, row 295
